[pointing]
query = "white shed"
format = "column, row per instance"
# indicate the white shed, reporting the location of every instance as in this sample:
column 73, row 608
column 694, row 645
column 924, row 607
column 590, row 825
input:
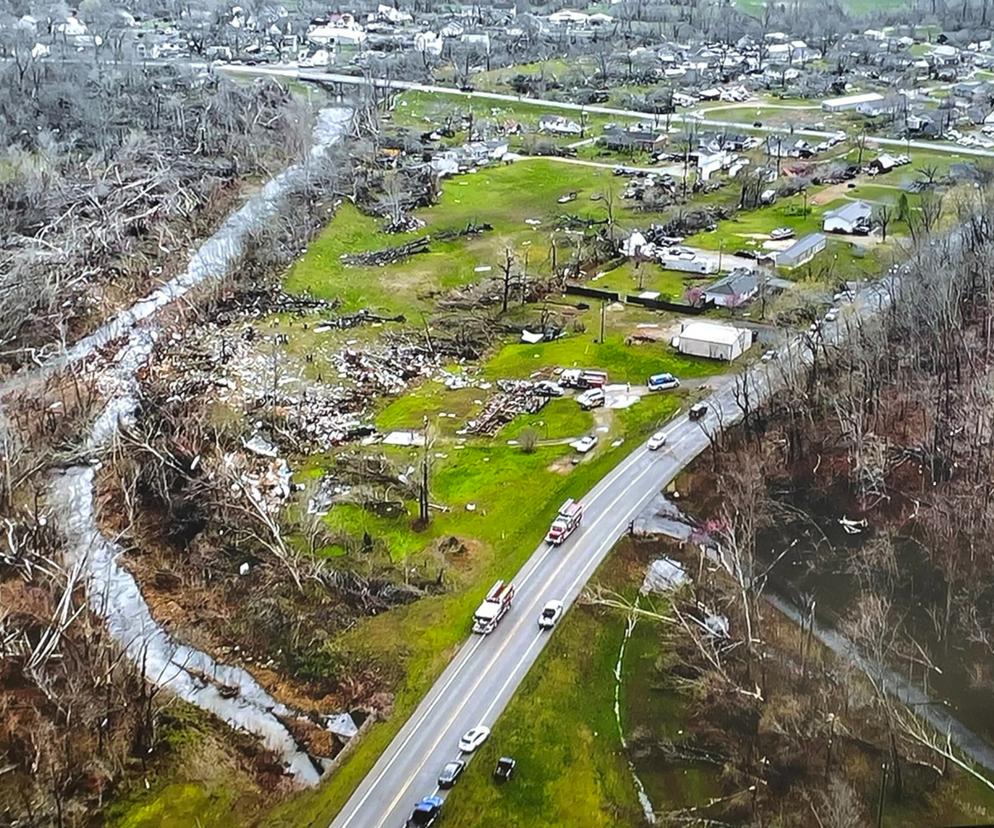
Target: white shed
column 714, row 341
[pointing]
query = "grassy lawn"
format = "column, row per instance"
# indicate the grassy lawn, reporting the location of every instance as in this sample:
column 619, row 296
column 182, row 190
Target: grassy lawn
column 624, row 363
column 516, row 496
column 571, row 772
column 423, row 109
column 493, row 195
column 737, row 231
column 671, row 284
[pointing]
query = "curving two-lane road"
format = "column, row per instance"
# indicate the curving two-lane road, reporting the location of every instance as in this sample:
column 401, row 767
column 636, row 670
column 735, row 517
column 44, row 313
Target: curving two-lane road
column 483, row 676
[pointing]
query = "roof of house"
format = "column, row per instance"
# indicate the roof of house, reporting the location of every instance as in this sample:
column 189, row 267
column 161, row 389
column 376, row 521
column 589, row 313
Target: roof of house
column 739, row 282
column 851, row 211
column 802, row 246
column 853, row 100
column 712, row 332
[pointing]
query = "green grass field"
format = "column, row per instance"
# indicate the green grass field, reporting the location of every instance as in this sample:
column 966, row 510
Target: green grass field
column 493, row 195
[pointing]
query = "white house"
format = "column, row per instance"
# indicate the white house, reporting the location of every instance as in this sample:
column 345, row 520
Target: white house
column 568, row 17
column 714, row 341
column 559, row 125
column 733, row 290
column 851, row 218
column 344, row 29
column 848, row 102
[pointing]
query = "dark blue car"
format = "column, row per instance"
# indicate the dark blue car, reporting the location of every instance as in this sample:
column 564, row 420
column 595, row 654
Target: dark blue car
column 425, row 812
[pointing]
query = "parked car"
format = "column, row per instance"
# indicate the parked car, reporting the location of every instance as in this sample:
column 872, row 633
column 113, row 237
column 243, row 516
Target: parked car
column 662, row 382
column 585, row 444
column 697, row 410
column 425, row 812
column 551, row 613
column 832, row 315
column 473, row 738
column 770, row 355
column 781, row 233
column 548, row 388
column 450, row 773
column 656, row 441
column 505, row 768
column 594, row 398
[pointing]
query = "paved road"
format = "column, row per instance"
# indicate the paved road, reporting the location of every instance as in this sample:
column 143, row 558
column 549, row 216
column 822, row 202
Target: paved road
column 482, row 678
column 486, row 671
column 291, row 71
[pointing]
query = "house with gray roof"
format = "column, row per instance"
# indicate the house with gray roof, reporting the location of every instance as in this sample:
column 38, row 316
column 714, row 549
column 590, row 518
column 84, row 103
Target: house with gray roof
column 853, row 217
column 733, row 290
column 801, row 251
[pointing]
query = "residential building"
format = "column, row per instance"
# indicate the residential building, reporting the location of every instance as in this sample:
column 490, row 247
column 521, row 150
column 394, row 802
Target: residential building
column 801, row 251
column 733, row 290
column 850, row 102
column 559, row 125
column 851, row 218
column 642, row 138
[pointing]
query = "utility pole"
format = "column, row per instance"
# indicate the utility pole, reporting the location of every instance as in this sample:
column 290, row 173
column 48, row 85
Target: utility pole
column 603, row 314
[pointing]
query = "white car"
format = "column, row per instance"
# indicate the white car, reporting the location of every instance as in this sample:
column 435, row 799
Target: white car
column 656, row 441
column 550, row 615
column 770, row 355
column 832, row 315
column 585, row 444
column 473, row 738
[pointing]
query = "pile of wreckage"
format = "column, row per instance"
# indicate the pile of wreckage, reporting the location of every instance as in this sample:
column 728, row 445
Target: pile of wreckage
column 513, row 397
column 388, row 369
column 650, row 186
column 392, row 255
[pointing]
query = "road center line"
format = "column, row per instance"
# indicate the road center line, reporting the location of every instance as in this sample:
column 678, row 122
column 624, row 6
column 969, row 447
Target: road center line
column 484, row 673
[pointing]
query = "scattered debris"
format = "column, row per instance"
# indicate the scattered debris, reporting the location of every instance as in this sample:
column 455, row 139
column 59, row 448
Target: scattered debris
column 514, row 397
column 664, row 575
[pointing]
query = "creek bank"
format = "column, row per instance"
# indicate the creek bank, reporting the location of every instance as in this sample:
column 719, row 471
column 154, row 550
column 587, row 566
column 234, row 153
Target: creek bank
column 228, row 692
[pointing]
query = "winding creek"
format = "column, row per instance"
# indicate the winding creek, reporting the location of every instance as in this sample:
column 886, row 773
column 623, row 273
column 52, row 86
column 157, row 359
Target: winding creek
column 112, row 592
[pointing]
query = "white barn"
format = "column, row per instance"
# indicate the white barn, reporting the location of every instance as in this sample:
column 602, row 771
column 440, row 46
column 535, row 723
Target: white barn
column 714, row 341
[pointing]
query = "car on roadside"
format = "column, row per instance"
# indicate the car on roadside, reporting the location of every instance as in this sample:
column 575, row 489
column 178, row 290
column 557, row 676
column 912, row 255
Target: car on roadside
column 425, row 813
column 550, row 615
column 473, row 738
column 697, row 411
column 505, row 768
column 770, row 355
column 585, row 444
column 832, row 315
column 662, row 382
column 450, row 773
column 656, row 441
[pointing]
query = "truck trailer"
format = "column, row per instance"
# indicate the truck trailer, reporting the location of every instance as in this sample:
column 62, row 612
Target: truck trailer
column 569, row 517
column 494, row 607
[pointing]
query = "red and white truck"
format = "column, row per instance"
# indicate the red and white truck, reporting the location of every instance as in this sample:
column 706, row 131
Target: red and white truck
column 569, row 517
column 494, row 607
